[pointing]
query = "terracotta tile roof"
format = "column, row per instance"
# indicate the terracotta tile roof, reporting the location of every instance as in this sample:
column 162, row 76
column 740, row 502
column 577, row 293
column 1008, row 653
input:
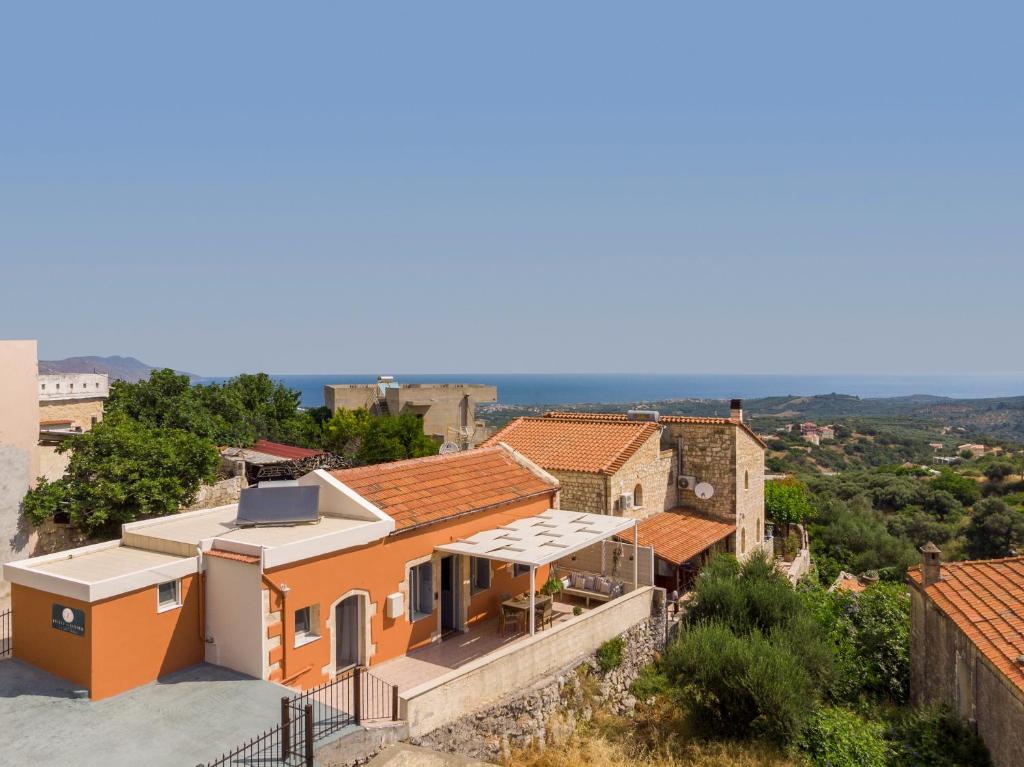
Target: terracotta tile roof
column 568, row 415
column 680, row 534
column 985, row 599
column 596, row 447
column 283, row 451
column 424, row 490
column 850, row 583
column 220, row 554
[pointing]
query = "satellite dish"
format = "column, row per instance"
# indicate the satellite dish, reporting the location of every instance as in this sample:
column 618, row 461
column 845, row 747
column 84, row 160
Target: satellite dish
column 704, row 490
column 448, row 448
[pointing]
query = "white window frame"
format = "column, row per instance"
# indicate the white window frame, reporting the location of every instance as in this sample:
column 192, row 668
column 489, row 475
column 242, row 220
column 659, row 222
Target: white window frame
column 414, row 586
column 474, row 587
column 162, row 607
column 312, row 632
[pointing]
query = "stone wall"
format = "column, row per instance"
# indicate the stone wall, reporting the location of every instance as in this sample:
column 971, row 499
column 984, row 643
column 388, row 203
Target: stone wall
column 654, row 471
column 218, row 494
column 548, row 711
column 749, row 493
column 709, row 454
column 946, row 667
column 580, row 491
column 79, row 412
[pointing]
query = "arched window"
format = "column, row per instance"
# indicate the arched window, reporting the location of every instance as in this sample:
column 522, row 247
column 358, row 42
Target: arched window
column 743, row 541
column 746, row 480
column 638, row 496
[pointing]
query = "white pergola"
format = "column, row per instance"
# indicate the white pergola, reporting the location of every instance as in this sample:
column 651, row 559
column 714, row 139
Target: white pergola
column 542, row 539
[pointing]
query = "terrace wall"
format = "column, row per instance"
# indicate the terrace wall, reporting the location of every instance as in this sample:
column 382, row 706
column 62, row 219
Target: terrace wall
column 519, row 665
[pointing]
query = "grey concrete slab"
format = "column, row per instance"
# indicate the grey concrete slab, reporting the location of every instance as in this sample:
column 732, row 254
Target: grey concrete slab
column 404, row 755
column 182, row 720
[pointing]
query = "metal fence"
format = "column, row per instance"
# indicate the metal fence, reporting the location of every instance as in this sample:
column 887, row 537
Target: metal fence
column 352, row 698
column 5, row 633
column 288, row 744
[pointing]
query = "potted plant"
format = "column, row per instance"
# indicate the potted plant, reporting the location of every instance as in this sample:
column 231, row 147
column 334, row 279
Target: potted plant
column 552, row 587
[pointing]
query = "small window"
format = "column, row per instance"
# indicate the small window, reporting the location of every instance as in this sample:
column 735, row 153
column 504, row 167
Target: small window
column 97, row 384
column 638, row 496
column 518, row 570
column 480, row 570
column 746, row 480
column 307, row 625
column 93, row 419
column 168, row 595
column 421, row 591
column 743, row 541
column 44, row 386
column 58, row 386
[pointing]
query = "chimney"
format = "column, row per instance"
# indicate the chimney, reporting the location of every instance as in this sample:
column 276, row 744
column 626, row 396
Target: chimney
column 931, row 564
column 736, row 409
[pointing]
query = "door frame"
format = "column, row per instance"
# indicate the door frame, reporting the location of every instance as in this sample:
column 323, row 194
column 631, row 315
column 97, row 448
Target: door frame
column 457, row 622
column 366, row 649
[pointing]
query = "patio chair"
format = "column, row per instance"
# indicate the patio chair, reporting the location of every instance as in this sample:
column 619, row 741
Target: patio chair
column 547, row 614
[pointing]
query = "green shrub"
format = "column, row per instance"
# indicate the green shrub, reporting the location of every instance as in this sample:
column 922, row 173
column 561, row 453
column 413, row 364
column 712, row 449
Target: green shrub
column 650, row 682
column 837, row 737
column 740, row 685
column 881, row 623
column 609, row 654
column 936, row 738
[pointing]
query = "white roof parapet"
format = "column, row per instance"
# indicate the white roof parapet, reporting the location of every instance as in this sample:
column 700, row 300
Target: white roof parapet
column 541, row 539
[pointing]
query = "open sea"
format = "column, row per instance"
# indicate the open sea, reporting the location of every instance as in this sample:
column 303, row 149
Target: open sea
column 551, row 389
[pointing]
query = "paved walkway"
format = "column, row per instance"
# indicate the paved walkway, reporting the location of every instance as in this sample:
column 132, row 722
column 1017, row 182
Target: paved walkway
column 185, row 719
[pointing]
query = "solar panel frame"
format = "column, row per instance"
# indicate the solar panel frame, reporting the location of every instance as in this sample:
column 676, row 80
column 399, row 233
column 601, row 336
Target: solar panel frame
column 286, row 505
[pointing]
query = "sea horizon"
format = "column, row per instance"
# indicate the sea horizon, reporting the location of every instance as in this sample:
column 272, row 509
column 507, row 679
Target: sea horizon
column 592, row 388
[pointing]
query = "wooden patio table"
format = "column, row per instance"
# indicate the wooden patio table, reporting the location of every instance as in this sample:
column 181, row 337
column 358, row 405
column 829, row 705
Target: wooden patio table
column 522, row 606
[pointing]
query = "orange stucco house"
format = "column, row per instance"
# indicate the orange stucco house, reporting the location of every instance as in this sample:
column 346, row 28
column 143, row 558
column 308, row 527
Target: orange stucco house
column 360, row 583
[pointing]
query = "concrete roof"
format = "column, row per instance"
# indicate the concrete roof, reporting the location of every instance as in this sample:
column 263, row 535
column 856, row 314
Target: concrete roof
column 541, row 539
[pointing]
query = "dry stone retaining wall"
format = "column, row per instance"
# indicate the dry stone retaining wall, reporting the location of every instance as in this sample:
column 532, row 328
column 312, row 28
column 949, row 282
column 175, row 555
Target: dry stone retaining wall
column 548, row 711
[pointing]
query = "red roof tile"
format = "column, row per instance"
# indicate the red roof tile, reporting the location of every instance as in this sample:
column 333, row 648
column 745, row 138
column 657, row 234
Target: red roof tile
column 595, row 447
column 679, row 535
column 283, row 451
column 568, row 415
column 424, row 490
column 985, row 599
column 220, row 554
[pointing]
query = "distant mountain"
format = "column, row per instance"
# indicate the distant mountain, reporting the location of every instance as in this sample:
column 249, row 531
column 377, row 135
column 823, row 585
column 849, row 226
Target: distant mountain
column 118, row 368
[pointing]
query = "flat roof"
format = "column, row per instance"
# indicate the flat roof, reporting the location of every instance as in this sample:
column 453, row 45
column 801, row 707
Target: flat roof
column 190, row 527
column 97, row 572
column 541, row 539
column 105, row 564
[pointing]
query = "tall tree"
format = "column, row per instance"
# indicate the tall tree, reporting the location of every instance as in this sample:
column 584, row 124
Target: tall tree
column 995, row 530
column 123, row 470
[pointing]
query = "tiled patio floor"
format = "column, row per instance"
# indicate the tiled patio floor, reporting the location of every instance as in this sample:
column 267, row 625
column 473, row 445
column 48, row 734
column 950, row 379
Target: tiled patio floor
column 436, row 660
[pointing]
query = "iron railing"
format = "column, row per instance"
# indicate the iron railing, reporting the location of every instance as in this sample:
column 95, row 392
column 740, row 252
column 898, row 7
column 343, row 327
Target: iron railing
column 6, row 642
column 288, row 744
column 352, row 698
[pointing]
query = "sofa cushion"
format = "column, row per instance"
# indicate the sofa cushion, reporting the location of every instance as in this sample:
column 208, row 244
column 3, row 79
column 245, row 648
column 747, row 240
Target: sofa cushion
column 588, row 584
column 578, row 579
column 606, row 586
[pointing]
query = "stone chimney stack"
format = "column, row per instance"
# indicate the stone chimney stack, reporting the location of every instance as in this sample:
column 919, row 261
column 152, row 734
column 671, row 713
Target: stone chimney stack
column 931, row 564
column 736, row 409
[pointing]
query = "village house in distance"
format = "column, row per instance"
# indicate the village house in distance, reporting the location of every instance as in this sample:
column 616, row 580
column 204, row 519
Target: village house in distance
column 695, row 484
column 448, row 411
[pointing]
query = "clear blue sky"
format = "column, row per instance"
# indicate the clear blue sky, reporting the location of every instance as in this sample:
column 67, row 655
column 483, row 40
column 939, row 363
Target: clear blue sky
column 516, row 187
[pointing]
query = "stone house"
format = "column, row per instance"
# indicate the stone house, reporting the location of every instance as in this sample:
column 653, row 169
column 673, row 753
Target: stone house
column 69, row 404
column 644, row 465
column 447, row 410
column 967, row 646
